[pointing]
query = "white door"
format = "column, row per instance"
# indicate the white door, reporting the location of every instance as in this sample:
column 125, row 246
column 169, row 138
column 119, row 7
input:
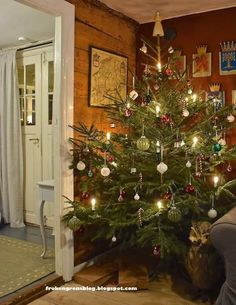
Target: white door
column 35, row 74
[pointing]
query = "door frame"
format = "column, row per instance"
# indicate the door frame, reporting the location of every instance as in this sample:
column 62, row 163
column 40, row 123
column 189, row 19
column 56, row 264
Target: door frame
column 64, row 13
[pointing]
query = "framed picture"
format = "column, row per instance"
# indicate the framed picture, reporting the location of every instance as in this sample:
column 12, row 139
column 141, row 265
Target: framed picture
column 178, row 62
column 202, row 62
column 108, row 77
column 216, row 95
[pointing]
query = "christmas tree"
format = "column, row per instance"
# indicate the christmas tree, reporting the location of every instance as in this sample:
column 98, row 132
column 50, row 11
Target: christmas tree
column 161, row 167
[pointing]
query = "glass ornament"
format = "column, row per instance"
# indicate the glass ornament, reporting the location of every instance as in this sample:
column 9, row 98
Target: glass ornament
column 143, row 143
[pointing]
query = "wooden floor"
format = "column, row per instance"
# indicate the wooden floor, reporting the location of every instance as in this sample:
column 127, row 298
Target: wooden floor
column 160, row 292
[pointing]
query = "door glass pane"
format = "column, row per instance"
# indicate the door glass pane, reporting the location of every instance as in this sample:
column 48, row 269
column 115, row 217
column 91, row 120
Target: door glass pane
column 50, row 103
column 50, row 76
column 22, row 110
column 30, row 79
column 30, row 110
column 21, row 80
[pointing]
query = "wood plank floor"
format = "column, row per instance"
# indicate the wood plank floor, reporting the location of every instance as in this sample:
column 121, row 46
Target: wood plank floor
column 161, row 292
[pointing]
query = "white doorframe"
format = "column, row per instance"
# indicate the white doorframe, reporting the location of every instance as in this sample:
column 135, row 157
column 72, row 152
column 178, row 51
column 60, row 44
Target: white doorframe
column 63, row 116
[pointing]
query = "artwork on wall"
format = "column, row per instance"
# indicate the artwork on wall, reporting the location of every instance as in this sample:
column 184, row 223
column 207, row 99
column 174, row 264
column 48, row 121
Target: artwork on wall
column 216, row 96
column 108, row 77
column 178, row 62
column 227, row 58
column 202, row 62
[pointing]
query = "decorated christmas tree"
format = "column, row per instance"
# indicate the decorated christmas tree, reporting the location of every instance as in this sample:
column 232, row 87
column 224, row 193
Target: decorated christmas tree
column 162, row 166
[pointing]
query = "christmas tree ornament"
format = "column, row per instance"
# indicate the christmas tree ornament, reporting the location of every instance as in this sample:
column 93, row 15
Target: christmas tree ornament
column 212, row 213
column 230, row 118
column 136, row 196
column 189, row 188
column 158, row 109
column 143, row 48
column 81, row 166
column 158, row 146
column 162, row 168
column 90, row 173
column 133, row 95
column 147, row 99
column 112, row 125
column 156, row 87
column 188, row 164
column 174, row 214
column 167, row 195
column 157, row 251
column 185, row 112
column 74, row 223
column 85, row 195
column 133, row 170
column 229, row 168
column 128, row 112
column 216, row 147
column 105, row 171
column 140, row 214
column 198, row 168
column 169, row 72
column 143, row 143
column 165, row 118
column 121, row 195
column 113, row 239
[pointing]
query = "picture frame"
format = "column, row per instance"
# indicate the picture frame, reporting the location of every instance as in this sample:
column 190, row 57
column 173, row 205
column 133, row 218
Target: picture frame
column 107, row 78
column 178, row 62
column 201, row 64
column 227, row 62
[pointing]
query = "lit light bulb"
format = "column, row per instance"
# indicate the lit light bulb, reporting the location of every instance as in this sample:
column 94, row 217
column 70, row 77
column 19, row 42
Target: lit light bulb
column 93, row 203
column 216, row 180
column 108, row 136
column 186, row 99
column 128, row 105
column 171, row 50
column 195, row 140
column 159, row 67
column 194, row 97
column 158, row 109
column 159, row 205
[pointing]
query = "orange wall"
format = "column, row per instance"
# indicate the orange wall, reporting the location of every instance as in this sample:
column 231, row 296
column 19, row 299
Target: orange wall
column 211, row 29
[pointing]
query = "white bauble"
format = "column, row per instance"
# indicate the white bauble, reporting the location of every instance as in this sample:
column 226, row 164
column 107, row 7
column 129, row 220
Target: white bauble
column 185, row 113
column 105, row 171
column 136, row 196
column 162, row 168
column 188, row 164
column 113, row 239
column 81, row 166
column 230, row 118
column 133, row 170
column 212, row 213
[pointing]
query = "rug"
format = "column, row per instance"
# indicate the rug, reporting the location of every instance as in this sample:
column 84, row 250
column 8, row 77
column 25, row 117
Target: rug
column 21, row 264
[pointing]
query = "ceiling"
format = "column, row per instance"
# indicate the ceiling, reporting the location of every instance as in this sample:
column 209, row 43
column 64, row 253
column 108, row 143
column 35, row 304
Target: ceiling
column 144, row 11
column 20, row 20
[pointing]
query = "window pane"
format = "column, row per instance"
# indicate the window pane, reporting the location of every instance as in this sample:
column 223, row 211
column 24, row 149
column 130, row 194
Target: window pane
column 30, row 110
column 22, row 110
column 50, row 76
column 50, row 108
column 21, row 80
column 30, row 79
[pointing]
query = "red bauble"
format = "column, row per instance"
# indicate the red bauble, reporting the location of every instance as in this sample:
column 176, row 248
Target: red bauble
column 167, row 195
column 157, row 251
column 110, row 158
column 85, row 195
column 189, row 189
column 169, row 72
column 165, row 118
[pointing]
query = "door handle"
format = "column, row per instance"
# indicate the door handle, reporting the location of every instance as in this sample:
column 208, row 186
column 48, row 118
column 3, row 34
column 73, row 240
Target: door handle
column 36, row 140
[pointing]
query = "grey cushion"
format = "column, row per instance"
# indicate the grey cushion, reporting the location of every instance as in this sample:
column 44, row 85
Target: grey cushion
column 223, row 237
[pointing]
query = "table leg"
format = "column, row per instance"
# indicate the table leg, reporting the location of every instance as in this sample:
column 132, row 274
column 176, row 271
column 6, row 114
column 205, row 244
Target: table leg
column 42, row 229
